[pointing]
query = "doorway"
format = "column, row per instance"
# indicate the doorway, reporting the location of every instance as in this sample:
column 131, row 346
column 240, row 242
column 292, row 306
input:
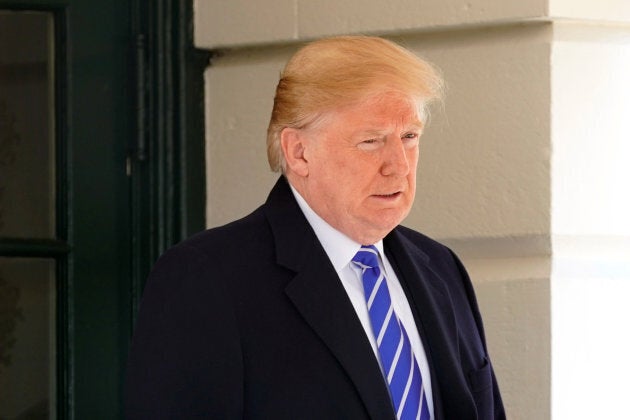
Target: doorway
column 101, row 128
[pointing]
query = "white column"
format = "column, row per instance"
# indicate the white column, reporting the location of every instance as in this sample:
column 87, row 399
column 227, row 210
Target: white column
column 591, row 220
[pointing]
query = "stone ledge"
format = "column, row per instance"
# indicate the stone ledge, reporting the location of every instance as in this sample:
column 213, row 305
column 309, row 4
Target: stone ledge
column 239, row 23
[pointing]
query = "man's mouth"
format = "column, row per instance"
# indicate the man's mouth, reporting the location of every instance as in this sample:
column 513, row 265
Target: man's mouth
column 392, row 195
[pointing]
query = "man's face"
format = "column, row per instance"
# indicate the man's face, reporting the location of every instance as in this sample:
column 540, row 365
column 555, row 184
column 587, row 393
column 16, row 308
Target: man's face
column 361, row 163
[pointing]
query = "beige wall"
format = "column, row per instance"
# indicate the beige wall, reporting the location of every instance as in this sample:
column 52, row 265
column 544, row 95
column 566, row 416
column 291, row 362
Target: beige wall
column 506, row 171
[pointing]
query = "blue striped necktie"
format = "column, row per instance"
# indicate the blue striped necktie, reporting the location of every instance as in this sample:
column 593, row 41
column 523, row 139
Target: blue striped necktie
column 399, row 364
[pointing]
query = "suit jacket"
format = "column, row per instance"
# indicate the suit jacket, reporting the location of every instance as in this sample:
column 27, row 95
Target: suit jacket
column 250, row 320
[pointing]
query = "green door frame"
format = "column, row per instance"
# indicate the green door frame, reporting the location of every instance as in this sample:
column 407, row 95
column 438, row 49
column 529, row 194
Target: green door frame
column 167, row 160
column 165, row 185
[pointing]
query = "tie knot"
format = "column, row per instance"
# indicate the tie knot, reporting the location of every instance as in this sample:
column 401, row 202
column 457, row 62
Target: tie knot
column 366, row 257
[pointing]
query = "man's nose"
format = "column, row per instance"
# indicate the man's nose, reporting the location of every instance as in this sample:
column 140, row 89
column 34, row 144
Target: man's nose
column 395, row 159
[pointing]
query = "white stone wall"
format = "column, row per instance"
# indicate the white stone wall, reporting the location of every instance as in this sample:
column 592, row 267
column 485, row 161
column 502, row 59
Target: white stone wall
column 523, row 170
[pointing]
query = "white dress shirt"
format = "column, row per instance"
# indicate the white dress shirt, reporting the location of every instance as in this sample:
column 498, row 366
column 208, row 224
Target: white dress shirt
column 340, row 250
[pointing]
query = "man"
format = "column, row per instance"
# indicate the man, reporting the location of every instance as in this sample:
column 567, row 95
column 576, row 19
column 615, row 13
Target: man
column 318, row 305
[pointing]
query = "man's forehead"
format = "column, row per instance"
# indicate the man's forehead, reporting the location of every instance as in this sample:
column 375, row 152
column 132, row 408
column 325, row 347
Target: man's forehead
column 386, row 106
column 370, row 126
column 379, row 119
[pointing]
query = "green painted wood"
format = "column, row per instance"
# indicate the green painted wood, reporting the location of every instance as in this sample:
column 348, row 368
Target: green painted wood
column 168, row 165
column 100, row 128
column 33, row 248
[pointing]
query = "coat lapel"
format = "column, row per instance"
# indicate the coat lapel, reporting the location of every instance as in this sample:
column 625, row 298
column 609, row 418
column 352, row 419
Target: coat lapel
column 432, row 306
column 319, row 296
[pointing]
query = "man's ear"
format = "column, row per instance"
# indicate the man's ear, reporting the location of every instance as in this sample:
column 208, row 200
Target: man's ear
column 293, row 142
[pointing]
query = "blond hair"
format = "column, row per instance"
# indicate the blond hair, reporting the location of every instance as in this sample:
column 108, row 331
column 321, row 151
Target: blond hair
column 338, row 71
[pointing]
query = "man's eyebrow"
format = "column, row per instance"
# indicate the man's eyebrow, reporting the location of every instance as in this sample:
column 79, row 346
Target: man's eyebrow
column 416, row 125
column 371, row 132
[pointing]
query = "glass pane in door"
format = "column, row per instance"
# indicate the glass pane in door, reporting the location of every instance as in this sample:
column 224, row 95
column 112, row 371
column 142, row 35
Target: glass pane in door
column 27, row 338
column 27, row 153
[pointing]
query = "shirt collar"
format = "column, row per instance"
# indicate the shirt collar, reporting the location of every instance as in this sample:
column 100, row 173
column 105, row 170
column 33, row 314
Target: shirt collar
column 339, row 247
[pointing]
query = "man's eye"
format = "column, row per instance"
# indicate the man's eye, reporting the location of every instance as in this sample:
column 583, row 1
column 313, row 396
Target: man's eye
column 369, row 144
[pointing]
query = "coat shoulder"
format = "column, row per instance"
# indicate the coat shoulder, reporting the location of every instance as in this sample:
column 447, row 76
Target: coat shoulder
column 235, row 236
